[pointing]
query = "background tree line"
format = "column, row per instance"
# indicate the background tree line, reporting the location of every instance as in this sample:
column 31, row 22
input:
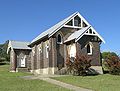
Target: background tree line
column 4, row 57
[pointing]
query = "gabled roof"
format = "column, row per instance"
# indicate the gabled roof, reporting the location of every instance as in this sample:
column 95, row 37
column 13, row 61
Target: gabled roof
column 53, row 29
column 18, row 45
column 61, row 24
column 77, row 34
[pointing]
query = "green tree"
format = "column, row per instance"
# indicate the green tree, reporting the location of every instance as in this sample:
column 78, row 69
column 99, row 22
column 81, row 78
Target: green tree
column 111, row 62
column 3, row 52
column 107, row 54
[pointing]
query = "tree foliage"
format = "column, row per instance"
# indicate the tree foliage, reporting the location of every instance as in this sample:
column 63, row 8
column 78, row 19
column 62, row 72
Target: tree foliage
column 111, row 62
column 107, row 54
column 3, row 52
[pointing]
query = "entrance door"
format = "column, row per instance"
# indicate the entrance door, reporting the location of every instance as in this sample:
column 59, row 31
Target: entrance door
column 72, row 50
column 23, row 61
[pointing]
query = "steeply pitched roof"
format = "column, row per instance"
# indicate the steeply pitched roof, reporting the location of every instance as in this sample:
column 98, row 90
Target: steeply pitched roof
column 77, row 34
column 61, row 24
column 53, row 29
column 18, row 45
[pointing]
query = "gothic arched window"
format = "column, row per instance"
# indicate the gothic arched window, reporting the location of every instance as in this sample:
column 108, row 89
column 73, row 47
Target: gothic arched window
column 89, row 49
column 59, row 39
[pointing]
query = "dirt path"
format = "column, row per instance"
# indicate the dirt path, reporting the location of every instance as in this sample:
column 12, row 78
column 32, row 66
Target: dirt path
column 59, row 83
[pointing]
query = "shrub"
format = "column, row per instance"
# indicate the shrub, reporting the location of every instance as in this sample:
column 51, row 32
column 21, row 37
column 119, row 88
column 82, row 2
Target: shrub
column 2, row 61
column 113, row 64
column 79, row 65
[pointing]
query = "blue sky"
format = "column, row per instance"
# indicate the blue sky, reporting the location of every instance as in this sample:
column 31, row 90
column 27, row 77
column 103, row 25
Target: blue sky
column 25, row 19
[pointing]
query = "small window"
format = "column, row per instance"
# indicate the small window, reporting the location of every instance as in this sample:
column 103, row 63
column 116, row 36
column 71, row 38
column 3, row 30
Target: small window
column 90, row 31
column 93, row 32
column 59, row 39
column 76, row 23
column 89, row 49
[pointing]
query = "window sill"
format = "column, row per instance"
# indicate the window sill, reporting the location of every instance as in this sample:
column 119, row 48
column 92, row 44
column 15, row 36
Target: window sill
column 59, row 43
column 89, row 53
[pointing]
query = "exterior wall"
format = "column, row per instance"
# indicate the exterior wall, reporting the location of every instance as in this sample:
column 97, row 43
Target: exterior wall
column 45, row 54
column 12, row 61
column 40, row 57
column 53, row 55
column 82, row 49
column 49, row 70
column 65, row 54
column 59, row 52
column 32, row 58
column 52, row 52
column 46, row 65
column 61, row 49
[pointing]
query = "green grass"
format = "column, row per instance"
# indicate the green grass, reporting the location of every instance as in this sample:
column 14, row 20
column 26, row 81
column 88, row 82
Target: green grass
column 13, row 82
column 98, row 83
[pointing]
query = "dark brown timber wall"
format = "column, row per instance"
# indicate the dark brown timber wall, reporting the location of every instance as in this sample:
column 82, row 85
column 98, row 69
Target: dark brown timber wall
column 82, row 49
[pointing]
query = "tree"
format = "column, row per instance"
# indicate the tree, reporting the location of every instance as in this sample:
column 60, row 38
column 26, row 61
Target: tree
column 3, row 52
column 107, row 54
column 111, row 62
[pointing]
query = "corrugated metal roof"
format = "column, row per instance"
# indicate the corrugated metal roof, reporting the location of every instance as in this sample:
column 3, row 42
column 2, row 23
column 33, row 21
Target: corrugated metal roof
column 77, row 34
column 54, row 28
column 19, row 45
column 59, row 25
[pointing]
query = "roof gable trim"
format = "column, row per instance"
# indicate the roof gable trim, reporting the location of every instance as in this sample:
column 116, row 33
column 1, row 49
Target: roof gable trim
column 96, row 34
column 67, row 20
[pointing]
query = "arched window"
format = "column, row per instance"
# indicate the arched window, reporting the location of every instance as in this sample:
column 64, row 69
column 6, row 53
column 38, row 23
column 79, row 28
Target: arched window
column 59, row 39
column 89, row 49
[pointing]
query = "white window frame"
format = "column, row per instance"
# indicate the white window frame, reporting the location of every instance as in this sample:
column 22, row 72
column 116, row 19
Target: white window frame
column 91, row 49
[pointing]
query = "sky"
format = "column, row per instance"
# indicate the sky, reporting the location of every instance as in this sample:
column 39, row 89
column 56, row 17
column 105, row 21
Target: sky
column 23, row 20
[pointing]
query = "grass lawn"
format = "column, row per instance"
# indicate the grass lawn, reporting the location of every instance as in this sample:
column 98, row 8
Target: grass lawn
column 12, row 82
column 98, row 83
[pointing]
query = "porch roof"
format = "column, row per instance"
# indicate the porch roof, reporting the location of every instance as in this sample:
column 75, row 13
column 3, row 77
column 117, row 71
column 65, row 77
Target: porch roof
column 77, row 34
column 18, row 45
